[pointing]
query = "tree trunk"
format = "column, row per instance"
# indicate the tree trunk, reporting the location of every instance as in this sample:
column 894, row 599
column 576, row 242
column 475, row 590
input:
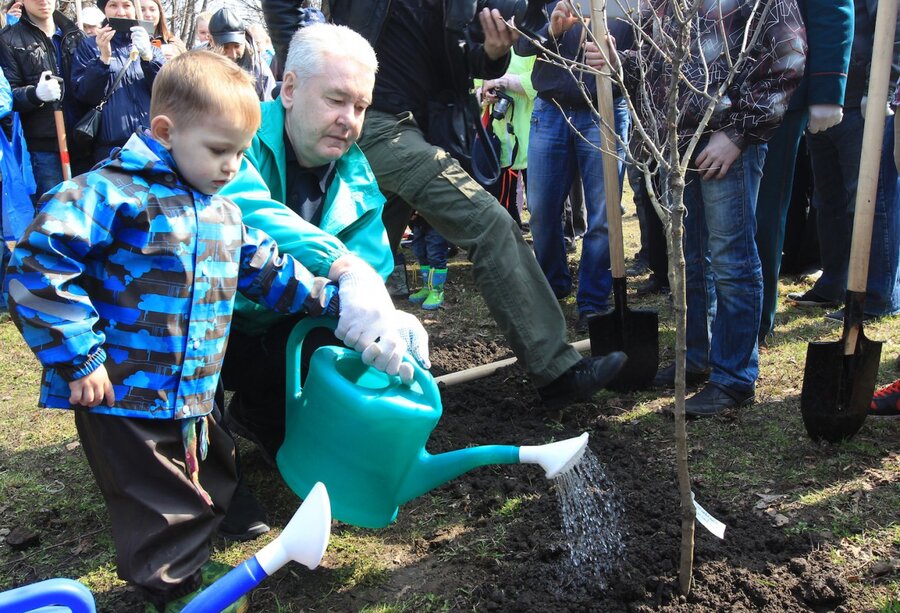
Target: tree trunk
column 677, row 283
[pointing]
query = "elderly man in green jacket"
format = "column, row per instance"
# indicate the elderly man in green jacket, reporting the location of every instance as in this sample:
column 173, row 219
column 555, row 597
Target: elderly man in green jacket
column 305, row 181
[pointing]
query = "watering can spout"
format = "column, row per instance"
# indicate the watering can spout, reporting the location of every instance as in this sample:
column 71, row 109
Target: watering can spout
column 431, row 471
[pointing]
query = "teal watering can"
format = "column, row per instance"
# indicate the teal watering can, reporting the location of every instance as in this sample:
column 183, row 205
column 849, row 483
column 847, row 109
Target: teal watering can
column 363, row 433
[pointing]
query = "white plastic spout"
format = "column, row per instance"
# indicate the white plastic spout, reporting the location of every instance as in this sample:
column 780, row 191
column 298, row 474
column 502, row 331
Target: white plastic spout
column 305, row 537
column 555, row 458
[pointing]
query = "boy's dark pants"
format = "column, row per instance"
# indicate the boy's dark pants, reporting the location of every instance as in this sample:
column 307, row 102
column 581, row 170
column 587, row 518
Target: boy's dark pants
column 160, row 526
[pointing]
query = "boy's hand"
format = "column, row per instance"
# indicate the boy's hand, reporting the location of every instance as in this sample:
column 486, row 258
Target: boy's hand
column 91, row 390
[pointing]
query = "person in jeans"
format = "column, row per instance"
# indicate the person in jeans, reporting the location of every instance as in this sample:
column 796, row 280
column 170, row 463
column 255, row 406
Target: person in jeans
column 835, row 155
column 723, row 275
column 565, row 137
column 40, row 46
column 420, row 57
column 431, row 251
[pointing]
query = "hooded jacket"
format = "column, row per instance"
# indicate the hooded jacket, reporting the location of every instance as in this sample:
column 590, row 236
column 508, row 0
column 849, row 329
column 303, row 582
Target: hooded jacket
column 26, row 52
column 128, row 267
column 351, row 213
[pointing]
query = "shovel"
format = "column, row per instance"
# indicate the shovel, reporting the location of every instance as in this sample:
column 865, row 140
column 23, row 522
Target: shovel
column 636, row 332
column 61, row 134
column 839, row 377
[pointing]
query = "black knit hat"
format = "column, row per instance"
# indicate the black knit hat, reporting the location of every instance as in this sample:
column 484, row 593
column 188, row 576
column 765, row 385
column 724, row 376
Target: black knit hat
column 101, row 4
column 226, row 27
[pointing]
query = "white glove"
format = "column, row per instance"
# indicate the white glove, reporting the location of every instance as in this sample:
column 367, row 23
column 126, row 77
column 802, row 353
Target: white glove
column 864, row 103
column 47, row 90
column 368, row 321
column 824, row 116
column 415, row 340
column 141, row 41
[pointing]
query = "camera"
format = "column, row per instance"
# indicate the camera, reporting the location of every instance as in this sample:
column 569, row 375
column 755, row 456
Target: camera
column 503, row 104
column 462, row 15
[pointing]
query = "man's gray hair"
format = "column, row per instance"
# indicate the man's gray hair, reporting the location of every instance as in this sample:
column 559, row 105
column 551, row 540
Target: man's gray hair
column 316, row 45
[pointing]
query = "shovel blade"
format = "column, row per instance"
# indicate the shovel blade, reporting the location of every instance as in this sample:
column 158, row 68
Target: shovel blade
column 837, row 388
column 636, row 332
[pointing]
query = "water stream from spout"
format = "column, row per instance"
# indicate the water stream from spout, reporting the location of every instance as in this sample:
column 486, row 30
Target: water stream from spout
column 591, row 510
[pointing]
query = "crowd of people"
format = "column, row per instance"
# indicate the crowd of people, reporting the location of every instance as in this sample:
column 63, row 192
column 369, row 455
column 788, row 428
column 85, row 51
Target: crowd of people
column 205, row 218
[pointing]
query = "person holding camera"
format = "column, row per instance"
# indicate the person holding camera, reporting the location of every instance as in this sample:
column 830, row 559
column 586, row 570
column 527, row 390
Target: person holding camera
column 511, row 97
column 36, row 55
column 426, row 64
column 121, row 64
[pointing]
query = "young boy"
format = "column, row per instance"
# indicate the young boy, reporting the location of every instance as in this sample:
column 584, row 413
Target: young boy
column 124, row 286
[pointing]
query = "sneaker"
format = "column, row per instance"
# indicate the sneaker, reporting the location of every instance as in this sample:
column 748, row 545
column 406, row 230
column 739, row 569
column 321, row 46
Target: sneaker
column 245, row 519
column 714, row 399
column 209, row 574
column 653, row 285
column 810, row 299
column 886, row 401
column 637, row 269
column 587, row 377
column 838, row 316
column 665, row 378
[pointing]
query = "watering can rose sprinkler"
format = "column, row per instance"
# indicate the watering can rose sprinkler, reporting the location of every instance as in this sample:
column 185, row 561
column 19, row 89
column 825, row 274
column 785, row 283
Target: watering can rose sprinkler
column 363, row 433
column 303, row 540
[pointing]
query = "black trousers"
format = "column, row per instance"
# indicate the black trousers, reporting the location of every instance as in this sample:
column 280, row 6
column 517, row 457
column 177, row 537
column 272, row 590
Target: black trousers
column 161, row 527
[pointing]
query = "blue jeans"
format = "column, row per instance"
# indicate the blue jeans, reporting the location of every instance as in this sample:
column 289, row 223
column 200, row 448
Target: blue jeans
column 554, row 152
column 47, row 172
column 835, row 155
column 724, row 277
column 429, row 246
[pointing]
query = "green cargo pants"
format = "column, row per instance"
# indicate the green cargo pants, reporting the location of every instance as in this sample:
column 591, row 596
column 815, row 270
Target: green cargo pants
column 413, row 173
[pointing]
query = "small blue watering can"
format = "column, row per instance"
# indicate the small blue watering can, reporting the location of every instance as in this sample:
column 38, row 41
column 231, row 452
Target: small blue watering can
column 363, row 433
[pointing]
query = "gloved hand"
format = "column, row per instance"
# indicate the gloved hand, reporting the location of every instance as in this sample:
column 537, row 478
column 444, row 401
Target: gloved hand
column 415, row 340
column 824, row 116
column 141, row 41
column 864, row 104
column 47, row 90
column 368, row 320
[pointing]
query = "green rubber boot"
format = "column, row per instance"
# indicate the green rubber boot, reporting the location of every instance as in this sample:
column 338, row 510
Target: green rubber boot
column 436, row 295
column 420, row 296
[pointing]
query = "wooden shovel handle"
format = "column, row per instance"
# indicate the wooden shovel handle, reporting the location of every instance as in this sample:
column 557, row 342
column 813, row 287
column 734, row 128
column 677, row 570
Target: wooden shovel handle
column 61, row 142
column 873, row 137
column 608, row 143
column 870, row 162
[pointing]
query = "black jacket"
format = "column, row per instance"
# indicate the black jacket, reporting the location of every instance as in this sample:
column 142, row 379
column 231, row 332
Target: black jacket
column 26, row 52
column 465, row 59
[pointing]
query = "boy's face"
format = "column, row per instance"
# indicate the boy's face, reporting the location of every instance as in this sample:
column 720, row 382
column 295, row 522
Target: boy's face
column 39, row 10
column 324, row 114
column 207, row 153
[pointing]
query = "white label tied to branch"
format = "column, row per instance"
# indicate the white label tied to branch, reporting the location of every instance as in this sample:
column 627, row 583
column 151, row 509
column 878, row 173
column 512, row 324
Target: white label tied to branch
column 708, row 521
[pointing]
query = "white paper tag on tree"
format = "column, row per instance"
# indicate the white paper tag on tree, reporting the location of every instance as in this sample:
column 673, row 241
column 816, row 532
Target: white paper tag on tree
column 708, row 521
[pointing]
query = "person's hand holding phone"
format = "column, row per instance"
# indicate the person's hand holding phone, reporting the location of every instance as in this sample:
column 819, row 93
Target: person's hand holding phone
column 15, row 10
column 104, row 43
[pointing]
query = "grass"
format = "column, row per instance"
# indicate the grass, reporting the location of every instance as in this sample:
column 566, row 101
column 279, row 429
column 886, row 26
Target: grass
column 845, row 493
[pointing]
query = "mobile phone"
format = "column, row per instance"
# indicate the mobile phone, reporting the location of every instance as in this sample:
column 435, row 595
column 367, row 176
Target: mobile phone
column 124, row 25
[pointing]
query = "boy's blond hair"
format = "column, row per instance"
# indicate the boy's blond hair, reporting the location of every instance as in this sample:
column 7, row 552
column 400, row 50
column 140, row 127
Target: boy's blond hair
column 202, row 83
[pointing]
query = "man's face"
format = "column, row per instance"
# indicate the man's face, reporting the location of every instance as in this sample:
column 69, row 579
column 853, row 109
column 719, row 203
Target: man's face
column 324, row 114
column 90, row 30
column 233, row 51
column 39, row 10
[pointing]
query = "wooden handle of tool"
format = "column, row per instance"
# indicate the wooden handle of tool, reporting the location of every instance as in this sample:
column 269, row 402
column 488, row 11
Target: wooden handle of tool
column 873, row 137
column 485, row 370
column 63, row 147
column 608, row 143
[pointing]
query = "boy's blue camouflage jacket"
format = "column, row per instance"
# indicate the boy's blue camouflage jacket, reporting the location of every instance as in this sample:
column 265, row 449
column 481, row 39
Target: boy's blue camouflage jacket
column 127, row 266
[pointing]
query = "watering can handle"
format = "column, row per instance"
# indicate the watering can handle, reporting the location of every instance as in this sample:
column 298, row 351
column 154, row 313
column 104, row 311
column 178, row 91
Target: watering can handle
column 295, row 348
